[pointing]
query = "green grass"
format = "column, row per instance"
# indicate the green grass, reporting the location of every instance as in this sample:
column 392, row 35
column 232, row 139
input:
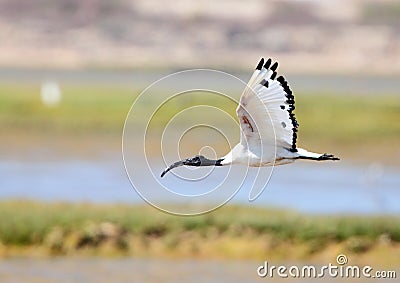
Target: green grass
column 83, row 108
column 28, row 223
column 348, row 118
column 89, row 109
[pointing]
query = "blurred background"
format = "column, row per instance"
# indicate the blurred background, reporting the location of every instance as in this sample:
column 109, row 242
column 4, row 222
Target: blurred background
column 69, row 73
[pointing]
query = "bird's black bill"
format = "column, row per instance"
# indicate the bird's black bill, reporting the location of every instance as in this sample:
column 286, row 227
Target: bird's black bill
column 195, row 161
column 176, row 164
column 198, row 160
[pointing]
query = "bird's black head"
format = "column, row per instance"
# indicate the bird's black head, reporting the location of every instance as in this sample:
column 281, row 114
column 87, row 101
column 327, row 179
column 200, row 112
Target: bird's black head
column 198, row 160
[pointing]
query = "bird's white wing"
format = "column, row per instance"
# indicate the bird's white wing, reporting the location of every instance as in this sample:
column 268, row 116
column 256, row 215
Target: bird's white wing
column 265, row 110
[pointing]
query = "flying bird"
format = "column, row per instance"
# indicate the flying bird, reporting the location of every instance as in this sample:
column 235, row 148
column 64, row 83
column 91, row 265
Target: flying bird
column 268, row 126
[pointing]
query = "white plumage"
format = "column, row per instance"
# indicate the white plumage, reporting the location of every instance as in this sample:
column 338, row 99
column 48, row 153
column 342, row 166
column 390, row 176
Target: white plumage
column 268, row 127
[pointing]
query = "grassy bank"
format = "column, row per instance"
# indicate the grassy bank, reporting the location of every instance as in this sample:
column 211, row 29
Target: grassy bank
column 353, row 126
column 345, row 118
column 30, row 228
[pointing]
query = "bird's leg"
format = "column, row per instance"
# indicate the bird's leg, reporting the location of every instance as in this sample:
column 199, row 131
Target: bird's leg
column 197, row 161
column 322, row 157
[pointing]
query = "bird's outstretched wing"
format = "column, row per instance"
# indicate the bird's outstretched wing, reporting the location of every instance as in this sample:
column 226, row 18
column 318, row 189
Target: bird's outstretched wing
column 265, row 110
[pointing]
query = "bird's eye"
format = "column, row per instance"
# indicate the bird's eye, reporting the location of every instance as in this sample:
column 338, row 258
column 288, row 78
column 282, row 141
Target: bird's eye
column 197, row 159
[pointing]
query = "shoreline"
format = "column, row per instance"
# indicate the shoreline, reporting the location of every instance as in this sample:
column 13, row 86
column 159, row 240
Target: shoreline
column 47, row 230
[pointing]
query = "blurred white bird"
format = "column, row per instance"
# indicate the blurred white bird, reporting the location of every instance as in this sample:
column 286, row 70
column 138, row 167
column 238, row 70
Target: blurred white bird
column 50, row 93
column 268, row 127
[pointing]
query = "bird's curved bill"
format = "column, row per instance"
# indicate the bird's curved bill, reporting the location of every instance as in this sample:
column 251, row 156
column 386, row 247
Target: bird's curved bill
column 198, row 160
column 176, row 164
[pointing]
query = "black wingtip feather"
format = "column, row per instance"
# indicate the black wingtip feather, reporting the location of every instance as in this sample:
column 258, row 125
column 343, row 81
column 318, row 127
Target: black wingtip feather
column 268, row 63
column 273, row 76
column 280, row 79
column 274, row 66
column 260, row 64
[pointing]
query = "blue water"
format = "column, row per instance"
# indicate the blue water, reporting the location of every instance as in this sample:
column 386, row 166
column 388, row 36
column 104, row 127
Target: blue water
column 327, row 188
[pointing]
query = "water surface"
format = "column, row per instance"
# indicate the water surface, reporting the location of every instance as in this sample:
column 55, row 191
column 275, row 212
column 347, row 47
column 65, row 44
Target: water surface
column 307, row 187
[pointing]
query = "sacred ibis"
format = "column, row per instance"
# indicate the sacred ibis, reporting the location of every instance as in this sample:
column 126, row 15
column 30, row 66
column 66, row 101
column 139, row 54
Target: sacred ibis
column 268, row 127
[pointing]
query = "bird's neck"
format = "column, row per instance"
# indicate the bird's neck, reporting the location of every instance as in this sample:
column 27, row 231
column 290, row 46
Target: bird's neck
column 211, row 162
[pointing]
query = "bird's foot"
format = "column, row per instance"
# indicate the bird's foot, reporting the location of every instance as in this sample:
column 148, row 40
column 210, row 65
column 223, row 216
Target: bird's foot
column 326, row 156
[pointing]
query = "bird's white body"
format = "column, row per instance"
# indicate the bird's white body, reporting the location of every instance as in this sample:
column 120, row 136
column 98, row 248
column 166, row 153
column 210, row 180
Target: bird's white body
column 242, row 155
column 268, row 127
